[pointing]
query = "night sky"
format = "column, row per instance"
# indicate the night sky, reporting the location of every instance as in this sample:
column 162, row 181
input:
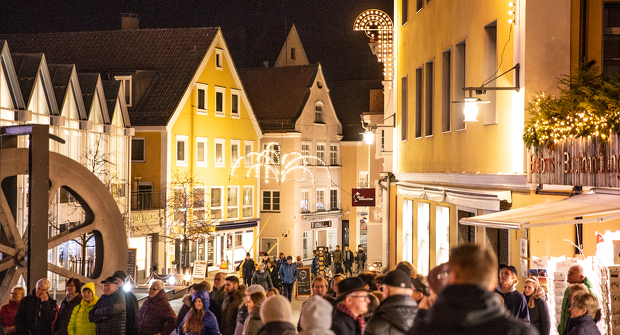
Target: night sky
column 255, row 30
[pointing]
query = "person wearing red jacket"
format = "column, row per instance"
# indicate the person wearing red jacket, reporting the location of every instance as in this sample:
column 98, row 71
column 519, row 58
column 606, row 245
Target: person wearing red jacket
column 8, row 311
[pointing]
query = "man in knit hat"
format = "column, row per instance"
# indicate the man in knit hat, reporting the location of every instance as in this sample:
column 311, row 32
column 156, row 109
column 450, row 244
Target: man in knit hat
column 397, row 311
column 275, row 313
column 352, row 303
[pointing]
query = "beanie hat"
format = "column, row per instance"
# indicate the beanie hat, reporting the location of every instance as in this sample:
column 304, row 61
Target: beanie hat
column 275, row 308
column 316, row 313
column 404, row 268
column 254, row 288
column 350, row 285
column 397, row 278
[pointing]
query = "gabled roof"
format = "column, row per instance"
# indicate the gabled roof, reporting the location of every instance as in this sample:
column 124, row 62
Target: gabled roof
column 26, row 68
column 113, row 95
column 64, row 77
column 6, row 66
column 278, row 93
column 90, row 83
column 174, row 54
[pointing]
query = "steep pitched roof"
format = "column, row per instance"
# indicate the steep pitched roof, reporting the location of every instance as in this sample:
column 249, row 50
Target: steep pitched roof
column 278, row 94
column 173, row 54
column 27, row 67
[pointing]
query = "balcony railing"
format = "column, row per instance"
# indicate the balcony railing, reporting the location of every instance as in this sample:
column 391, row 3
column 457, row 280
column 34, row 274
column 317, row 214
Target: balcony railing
column 147, row 200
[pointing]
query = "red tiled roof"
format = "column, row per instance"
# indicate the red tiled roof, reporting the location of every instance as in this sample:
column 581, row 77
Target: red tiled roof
column 173, row 54
column 278, row 94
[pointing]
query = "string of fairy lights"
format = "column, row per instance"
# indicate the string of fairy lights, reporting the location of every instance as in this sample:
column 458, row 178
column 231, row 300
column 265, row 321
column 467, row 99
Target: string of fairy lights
column 585, row 123
column 379, row 27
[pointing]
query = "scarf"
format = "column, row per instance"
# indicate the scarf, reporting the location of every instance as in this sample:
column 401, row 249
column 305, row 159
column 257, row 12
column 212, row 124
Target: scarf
column 361, row 323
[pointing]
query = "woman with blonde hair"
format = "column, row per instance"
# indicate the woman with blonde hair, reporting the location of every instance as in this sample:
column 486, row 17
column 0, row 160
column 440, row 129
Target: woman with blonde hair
column 8, row 311
column 537, row 306
column 253, row 323
column 584, row 314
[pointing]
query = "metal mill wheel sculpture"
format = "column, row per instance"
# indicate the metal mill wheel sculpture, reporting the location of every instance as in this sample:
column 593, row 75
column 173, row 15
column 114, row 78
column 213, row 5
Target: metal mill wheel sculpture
column 102, row 218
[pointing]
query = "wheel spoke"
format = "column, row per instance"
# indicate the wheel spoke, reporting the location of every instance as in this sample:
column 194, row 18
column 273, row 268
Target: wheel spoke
column 67, row 236
column 6, row 263
column 8, row 223
column 67, row 273
column 7, row 250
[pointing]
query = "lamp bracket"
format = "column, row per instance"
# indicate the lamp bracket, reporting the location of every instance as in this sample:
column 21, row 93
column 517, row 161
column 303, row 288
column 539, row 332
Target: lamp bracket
column 482, row 89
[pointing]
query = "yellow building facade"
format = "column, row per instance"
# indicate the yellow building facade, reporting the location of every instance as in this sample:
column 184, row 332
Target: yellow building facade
column 448, row 169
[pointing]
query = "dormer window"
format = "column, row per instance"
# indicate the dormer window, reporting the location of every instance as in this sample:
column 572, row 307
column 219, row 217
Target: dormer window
column 318, row 113
column 126, row 87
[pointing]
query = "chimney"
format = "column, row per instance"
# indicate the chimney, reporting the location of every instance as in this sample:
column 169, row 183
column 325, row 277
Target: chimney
column 129, row 21
column 266, row 63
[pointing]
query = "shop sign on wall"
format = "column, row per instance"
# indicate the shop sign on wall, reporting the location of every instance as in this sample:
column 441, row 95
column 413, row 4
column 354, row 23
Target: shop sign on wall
column 577, row 162
column 321, row 224
column 363, row 197
column 145, row 216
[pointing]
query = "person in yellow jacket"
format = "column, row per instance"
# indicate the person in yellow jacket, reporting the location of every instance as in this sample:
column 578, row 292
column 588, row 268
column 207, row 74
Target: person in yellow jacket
column 79, row 323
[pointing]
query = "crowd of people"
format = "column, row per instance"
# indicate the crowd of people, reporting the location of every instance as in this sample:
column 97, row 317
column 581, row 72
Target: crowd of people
column 463, row 296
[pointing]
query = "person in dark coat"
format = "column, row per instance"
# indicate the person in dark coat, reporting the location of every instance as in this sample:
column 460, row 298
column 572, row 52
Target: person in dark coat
column 247, row 270
column 194, row 323
column 360, row 258
column 275, row 313
column 468, row 305
column 348, row 260
column 262, row 277
column 397, row 311
column 584, row 314
column 280, row 261
column 217, row 296
column 156, row 316
column 275, row 278
column 109, row 313
column 131, row 304
column 37, row 311
column 338, row 255
column 230, row 306
column 352, row 304
column 288, row 276
column 537, row 306
column 73, row 297
column 314, row 267
column 507, row 289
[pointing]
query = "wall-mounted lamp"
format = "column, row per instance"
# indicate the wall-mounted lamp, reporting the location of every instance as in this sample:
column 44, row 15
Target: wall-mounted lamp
column 471, row 102
column 369, row 130
column 512, row 13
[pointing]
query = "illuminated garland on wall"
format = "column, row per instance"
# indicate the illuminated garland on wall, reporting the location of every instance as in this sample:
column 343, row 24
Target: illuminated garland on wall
column 588, row 106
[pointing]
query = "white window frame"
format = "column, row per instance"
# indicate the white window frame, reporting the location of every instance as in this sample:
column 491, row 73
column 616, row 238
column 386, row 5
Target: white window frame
column 143, row 139
column 228, row 206
column 204, row 207
column 249, row 160
column 318, row 152
column 221, row 206
column 337, row 199
column 318, row 197
column 366, row 179
column 204, row 141
column 205, row 88
column 251, row 206
column 273, row 153
column 185, row 140
column 321, row 119
column 305, row 192
column 334, row 160
column 123, row 79
column 237, row 93
column 219, row 59
column 271, row 197
column 220, row 90
column 232, row 144
column 222, row 142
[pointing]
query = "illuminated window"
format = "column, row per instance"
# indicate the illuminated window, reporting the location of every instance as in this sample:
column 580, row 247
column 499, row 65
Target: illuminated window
column 233, row 202
column 249, row 147
column 248, row 201
column 234, row 151
column 216, row 203
column 320, row 200
column 201, row 151
column 318, row 113
column 305, row 199
column 320, row 152
column 219, row 152
column 182, row 150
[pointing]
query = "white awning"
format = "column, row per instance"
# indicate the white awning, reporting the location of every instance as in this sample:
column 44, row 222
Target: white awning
column 480, row 199
column 596, row 205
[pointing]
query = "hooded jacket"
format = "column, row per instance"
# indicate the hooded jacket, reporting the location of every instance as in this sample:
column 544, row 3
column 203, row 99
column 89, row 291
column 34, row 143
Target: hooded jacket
column 583, row 325
column 79, row 323
column 539, row 316
column 288, row 273
column 156, row 316
column 209, row 323
column 395, row 315
column 35, row 316
column 468, row 309
column 566, row 304
column 109, row 314
column 263, row 279
column 316, row 317
column 64, row 314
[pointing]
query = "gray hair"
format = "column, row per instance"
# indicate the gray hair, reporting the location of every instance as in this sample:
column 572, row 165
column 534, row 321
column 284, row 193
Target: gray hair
column 157, row 284
column 43, row 281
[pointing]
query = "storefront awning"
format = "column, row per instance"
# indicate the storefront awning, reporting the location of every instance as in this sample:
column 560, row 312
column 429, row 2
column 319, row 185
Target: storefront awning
column 596, row 205
column 481, row 199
